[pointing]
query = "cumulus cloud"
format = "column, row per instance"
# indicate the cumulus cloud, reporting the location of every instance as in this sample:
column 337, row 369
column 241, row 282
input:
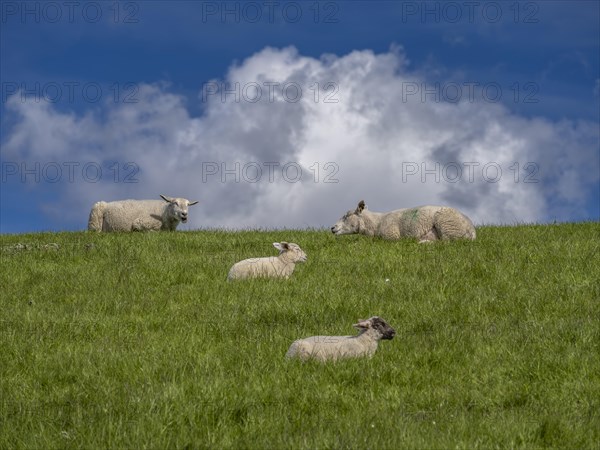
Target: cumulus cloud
column 286, row 140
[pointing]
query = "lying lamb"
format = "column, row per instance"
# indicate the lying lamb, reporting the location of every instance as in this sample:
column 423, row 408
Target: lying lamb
column 331, row 348
column 139, row 215
column 426, row 223
column 280, row 266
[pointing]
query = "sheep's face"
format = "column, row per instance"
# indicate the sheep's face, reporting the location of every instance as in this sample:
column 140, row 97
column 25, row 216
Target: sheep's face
column 294, row 252
column 351, row 222
column 379, row 325
column 178, row 207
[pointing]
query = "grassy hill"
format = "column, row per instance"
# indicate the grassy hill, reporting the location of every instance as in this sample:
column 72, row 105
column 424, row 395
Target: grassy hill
column 138, row 341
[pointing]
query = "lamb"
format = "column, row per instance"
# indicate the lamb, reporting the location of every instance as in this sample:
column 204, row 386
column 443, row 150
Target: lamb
column 426, row 223
column 139, row 215
column 281, row 266
column 332, row 348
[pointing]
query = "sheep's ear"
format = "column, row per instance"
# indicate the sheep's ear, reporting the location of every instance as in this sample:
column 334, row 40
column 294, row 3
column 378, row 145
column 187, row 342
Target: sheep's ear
column 192, row 203
column 166, row 199
column 281, row 246
column 362, row 324
column 361, row 207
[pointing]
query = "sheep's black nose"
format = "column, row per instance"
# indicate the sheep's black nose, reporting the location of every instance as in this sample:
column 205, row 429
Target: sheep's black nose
column 333, row 229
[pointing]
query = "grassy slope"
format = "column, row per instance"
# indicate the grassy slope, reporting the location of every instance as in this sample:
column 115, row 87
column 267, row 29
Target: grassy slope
column 140, row 342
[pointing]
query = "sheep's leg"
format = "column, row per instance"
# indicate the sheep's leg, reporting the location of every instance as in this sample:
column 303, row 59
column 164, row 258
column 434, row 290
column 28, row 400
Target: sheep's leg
column 145, row 224
column 428, row 238
column 137, row 225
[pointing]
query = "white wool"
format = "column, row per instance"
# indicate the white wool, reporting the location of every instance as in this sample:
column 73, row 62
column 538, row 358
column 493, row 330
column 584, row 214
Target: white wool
column 281, row 266
column 425, row 223
column 139, row 215
column 332, row 348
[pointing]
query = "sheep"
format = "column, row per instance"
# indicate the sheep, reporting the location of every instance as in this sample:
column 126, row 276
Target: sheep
column 332, row 348
column 139, row 215
column 426, row 223
column 281, row 266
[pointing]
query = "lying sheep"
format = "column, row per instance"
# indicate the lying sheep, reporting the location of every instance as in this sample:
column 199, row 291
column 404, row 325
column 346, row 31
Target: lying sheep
column 331, row 348
column 280, row 266
column 139, row 215
column 426, row 223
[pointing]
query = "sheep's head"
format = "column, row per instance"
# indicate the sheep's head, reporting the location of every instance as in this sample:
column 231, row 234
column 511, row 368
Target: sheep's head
column 293, row 251
column 383, row 329
column 178, row 207
column 350, row 222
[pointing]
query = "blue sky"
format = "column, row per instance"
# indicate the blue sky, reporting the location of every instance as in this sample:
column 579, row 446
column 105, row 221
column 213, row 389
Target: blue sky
column 491, row 107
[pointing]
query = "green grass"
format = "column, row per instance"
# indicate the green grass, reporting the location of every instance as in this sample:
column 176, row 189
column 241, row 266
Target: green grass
column 140, row 342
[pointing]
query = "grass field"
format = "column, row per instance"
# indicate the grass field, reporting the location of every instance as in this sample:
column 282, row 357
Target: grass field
column 138, row 341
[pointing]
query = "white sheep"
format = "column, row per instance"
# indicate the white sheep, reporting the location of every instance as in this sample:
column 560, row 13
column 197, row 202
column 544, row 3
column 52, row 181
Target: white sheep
column 281, row 266
column 139, row 215
column 426, row 223
column 332, row 348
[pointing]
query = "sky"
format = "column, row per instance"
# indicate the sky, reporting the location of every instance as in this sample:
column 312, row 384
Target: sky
column 277, row 114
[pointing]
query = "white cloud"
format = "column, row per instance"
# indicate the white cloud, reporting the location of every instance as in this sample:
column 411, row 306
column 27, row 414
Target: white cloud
column 371, row 141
